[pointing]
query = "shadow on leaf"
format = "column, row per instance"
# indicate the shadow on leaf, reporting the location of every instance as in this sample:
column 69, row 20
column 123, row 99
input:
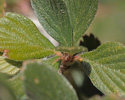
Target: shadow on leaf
column 91, row 42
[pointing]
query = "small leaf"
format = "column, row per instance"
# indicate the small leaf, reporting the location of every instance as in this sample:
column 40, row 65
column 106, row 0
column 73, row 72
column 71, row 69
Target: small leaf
column 6, row 92
column 44, row 83
column 65, row 20
column 2, row 6
column 106, row 68
column 22, row 39
column 71, row 50
column 9, row 67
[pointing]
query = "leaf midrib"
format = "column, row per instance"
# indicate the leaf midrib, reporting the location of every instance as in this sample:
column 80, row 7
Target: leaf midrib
column 70, row 24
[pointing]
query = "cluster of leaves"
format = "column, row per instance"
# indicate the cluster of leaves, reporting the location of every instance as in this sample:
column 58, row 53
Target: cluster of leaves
column 65, row 21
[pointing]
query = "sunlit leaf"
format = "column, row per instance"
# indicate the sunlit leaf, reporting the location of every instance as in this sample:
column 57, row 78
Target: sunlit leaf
column 65, row 20
column 20, row 37
column 44, row 83
column 110, row 97
column 9, row 67
column 106, row 68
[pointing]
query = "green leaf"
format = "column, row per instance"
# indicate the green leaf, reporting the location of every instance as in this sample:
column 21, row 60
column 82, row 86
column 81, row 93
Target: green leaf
column 17, row 86
column 51, row 62
column 2, row 4
column 44, row 83
column 72, row 50
column 22, row 39
column 106, row 68
column 9, row 67
column 110, row 97
column 6, row 92
column 65, row 20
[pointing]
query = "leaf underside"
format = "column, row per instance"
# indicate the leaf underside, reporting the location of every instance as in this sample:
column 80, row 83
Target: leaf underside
column 65, row 20
column 107, row 68
column 72, row 50
column 43, row 83
column 22, row 39
column 9, row 67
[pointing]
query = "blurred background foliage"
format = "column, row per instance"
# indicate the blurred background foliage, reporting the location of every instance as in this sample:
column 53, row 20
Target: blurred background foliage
column 20, row 6
column 108, row 25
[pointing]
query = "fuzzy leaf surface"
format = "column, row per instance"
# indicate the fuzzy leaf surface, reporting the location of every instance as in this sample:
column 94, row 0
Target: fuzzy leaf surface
column 110, row 97
column 9, row 67
column 22, row 39
column 44, row 83
column 106, row 68
column 65, row 20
